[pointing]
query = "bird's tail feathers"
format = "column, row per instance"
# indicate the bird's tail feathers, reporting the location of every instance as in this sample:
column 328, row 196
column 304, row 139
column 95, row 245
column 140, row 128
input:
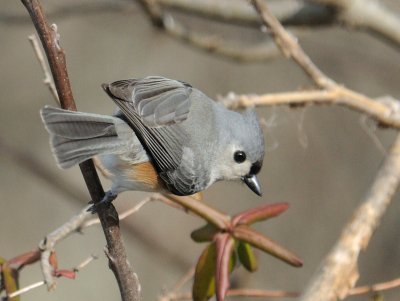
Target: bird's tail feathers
column 76, row 136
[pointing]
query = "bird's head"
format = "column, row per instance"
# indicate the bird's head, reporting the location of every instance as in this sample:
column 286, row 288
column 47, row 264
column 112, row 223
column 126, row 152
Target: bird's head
column 241, row 150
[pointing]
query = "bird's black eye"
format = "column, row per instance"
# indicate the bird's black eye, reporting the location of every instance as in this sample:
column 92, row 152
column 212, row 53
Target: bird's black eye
column 239, row 156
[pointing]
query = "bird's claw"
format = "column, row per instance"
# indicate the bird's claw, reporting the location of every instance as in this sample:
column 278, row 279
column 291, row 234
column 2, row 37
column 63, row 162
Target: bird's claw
column 106, row 201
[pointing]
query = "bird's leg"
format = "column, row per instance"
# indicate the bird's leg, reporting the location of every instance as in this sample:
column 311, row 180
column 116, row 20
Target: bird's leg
column 109, row 196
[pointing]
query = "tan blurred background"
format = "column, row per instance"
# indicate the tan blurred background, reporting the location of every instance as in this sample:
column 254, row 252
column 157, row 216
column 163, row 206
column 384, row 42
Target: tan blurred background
column 320, row 159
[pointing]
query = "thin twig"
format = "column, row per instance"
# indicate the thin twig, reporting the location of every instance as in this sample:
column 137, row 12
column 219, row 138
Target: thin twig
column 48, row 81
column 200, row 209
column 184, row 203
column 26, row 289
column 386, row 111
column 184, row 279
column 85, row 263
column 378, row 287
column 122, row 216
column 370, row 130
column 48, row 243
column 290, row 47
column 134, row 209
column 40, row 283
column 168, row 295
column 338, row 272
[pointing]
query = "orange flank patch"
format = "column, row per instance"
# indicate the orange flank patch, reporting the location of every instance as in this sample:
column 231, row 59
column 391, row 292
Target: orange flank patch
column 145, row 173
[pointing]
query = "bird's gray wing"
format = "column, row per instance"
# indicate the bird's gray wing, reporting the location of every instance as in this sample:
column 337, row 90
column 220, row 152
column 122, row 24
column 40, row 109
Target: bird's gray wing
column 154, row 107
column 157, row 100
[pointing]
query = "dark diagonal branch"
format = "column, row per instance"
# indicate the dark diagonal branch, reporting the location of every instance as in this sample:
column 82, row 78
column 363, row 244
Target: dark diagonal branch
column 127, row 280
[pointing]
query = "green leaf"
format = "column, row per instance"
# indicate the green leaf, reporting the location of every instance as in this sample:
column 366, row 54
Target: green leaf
column 232, row 262
column 204, row 277
column 205, row 233
column 10, row 281
column 246, row 256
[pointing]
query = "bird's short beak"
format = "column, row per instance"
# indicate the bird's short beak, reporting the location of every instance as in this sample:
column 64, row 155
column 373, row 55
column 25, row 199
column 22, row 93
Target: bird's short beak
column 252, row 182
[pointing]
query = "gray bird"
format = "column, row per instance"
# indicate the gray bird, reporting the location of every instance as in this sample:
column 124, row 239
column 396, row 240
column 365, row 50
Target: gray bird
column 165, row 136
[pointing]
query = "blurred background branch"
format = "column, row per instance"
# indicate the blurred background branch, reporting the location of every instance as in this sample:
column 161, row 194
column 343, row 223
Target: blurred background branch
column 366, row 15
column 338, row 272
